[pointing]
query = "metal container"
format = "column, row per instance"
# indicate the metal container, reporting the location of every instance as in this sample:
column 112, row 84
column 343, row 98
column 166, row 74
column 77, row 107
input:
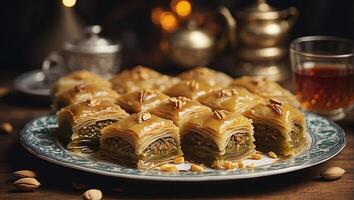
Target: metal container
column 92, row 53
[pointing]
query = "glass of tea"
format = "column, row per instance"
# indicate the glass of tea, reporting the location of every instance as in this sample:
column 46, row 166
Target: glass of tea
column 323, row 73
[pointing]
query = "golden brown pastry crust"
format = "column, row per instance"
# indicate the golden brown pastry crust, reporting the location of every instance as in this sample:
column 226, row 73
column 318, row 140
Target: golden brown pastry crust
column 234, row 100
column 141, row 100
column 140, row 78
column 209, row 76
column 180, row 109
column 81, row 93
column 266, row 89
column 73, row 118
column 219, row 126
column 191, row 89
column 79, row 77
column 141, row 133
column 282, row 118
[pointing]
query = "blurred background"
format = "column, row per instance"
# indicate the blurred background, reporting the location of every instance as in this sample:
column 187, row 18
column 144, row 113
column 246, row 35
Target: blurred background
column 33, row 29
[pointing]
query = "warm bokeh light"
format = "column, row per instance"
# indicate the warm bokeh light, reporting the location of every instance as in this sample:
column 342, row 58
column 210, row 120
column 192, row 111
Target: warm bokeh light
column 156, row 15
column 168, row 21
column 69, row 3
column 183, row 8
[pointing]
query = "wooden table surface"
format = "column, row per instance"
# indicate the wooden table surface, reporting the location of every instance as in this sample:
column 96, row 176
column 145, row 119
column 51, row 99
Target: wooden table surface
column 58, row 182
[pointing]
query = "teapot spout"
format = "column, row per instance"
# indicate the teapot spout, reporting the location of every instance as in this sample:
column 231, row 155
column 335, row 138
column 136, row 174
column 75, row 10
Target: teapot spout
column 228, row 36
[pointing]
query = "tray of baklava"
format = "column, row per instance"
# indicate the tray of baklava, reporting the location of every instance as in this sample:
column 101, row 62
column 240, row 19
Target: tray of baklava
column 200, row 125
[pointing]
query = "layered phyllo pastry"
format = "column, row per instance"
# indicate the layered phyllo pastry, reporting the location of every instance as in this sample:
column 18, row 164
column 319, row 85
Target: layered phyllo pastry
column 234, row 100
column 266, row 89
column 77, row 78
column 81, row 93
column 216, row 136
column 191, row 89
column 141, row 100
column 80, row 124
column 279, row 127
column 180, row 109
column 141, row 140
column 203, row 74
column 140, row 78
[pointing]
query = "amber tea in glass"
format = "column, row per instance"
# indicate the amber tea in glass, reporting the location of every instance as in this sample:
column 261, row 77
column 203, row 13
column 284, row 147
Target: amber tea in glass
column 323, row 74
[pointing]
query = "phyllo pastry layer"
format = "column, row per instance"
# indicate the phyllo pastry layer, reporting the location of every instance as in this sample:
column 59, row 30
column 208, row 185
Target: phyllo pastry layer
column 79, row 77
column 234, row 100
column 142, row 141
column 80, row 124
column 278, row 127
column 180, row 109
column 140, row 78
column 203, row 74
column 191, row 89
column 141, row 100
column 218, row 135
column 266, row 88
column 81, row 93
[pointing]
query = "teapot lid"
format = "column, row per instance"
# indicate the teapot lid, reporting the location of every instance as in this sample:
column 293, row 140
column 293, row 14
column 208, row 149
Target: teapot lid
column 262, row 10
column 92, row 43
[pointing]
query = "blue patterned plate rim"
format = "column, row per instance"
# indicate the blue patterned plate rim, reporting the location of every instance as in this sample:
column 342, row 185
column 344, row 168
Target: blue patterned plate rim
column 327, row 139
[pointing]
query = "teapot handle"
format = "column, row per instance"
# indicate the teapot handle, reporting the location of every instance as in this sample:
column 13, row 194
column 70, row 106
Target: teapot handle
column 230, row 34
column 293, row 15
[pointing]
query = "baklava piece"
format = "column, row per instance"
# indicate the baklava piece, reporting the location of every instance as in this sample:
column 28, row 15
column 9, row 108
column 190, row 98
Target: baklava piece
column 81, row 93
column 141, row 100
column 203, row 74
column 234, row 100
column 217, row 136
column 266, row 89
column 141, row 78
column 278, row 127
column 141, row 140
column 77, row 78
column 80, row 124
column 180, row 109
column 191, row 89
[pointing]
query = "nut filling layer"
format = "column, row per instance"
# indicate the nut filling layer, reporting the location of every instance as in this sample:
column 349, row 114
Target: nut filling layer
column 88, row 137
column 270, row 139
column 203, row 150
column 122, row 151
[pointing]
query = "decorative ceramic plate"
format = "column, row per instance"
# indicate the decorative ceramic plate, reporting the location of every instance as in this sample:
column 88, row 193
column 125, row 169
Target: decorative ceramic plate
column 325, row 140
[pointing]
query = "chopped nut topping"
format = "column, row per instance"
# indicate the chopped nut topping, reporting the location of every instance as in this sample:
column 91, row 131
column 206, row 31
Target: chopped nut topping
column 275, row 101
column 178, row 102
column 196, row 168
column 93, row 102
column 219, row 114
column 227, row 93
column 230, row 165
column 255, row 156
column 178, row 160
column 275, row 105
column 272, row 154
column 218, row 164
column 168, row 168
column 193, row 85
column 144, row 95
column 79, row 88
column 143, row 117
column 240, row 164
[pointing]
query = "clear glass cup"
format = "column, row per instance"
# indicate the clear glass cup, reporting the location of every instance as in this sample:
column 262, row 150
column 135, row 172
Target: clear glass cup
column 323, row 74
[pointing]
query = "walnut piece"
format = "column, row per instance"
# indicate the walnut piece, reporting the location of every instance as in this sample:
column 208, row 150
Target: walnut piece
column 196, row 168
column 219, row 114
column 178, row 102
column 143, row 117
